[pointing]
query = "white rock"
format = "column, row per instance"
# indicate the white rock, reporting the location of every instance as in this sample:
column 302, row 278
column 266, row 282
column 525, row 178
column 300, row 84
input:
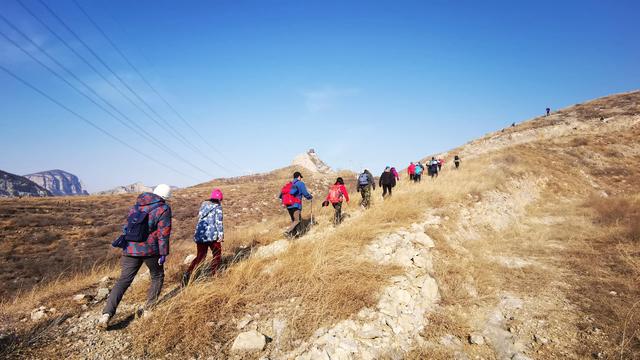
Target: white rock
column 420, row 261
column 250, row 341
column 540, row 339
column 424, row 240
column 430, row 290
column 450, row 341
column 368, row 331
column 188, row 259
column 81, row 298
column 38, row 314
column 476, row 339
column 102, row 294
column 520, row 356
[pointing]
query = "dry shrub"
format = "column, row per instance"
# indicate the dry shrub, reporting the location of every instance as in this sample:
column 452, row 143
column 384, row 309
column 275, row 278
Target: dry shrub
column 579, row 141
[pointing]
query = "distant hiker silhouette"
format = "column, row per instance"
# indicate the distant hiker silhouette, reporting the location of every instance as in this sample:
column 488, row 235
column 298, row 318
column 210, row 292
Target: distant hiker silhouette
column 209, row 234
column 548, row 111
column 456, row 161
column 395, row 173
column 145, row 240
column 366, row 184
column 387, row 182
column 337, row 194
column 433, row 167
column 419, row 169
column 291, row 195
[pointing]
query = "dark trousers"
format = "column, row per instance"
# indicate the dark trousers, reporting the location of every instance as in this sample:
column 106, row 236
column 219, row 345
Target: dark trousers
column 411, row 176
column 417, row 177
column 296, row 218
column 129, row 266
column 216, row 252
column 386, row 190
column 337, row 218
column 457, row 163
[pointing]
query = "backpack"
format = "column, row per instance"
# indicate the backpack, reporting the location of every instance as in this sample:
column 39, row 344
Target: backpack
column 363, row 179
column 287, row 198
column 418, row 169
column 335, row 194
column 456, row 158
column 137, row 226
column 200, row 235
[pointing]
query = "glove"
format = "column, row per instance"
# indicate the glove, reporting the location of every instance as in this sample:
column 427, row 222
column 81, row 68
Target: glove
column 161, row 260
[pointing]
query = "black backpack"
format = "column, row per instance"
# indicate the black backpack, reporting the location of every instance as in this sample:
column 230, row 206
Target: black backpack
column 137, row 226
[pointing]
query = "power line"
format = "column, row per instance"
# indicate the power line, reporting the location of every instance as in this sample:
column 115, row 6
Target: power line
column 89, row 122
column 144, row 79
column 147, row 136
column 128, row 87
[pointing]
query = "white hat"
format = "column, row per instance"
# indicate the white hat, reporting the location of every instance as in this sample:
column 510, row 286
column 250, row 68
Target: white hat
column 163, row 190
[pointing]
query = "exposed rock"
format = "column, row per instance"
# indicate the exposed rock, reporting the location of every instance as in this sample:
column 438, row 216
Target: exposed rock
column 58, row 182
column 39, row 313
column 101, row 294
column 135, row 188
column 250, row 341
column 272, row 249
column 312, row 162
column 188, row 259
column 81, row 298
column 450, row 341
column 540, row 339
column 16, row 185
column 242, row 323
column 476, row 339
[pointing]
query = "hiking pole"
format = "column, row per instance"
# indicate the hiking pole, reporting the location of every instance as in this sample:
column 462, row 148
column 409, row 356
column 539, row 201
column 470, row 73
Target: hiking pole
column 311, row 213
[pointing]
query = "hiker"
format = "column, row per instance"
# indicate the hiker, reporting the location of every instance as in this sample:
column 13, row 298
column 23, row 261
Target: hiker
column 291, row 196
column 417, row 177
column 411, row 170
column 440, row 164
column 387, row 182
column 209, row 234
column 395, row 174
column 337, row 194
column 548, row 111
column 456, row 161
column 145, row 240
column 366, row 183
column 433, row 166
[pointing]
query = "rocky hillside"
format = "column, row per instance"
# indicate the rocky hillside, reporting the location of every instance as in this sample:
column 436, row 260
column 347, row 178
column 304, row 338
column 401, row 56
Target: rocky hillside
column 15, row 185
column 135, row 188
column 58, row 182
column 529, row 251
column 311, row 161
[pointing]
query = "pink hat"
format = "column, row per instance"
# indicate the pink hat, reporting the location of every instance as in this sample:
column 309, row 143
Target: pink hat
column 216, row 194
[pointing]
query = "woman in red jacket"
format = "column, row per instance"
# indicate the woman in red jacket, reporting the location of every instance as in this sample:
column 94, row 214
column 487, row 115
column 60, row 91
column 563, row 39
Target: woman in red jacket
column 411, row 170
column 337, row 194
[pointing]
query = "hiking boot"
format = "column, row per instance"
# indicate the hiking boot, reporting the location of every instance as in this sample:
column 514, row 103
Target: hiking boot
column 103, row 322
column 140, row 311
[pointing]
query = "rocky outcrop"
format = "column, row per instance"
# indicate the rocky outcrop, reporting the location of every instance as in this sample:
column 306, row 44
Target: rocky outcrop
column 16, row 185
column 58, row 182
column 312, row 162
column 134, row 188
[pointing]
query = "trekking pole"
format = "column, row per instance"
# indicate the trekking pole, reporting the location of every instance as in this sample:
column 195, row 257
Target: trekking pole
column 311, row 212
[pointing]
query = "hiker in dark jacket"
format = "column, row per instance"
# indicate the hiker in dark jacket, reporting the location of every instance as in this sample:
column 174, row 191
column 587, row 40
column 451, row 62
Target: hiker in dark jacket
column 366, row 184
column 298, row 191
column 152, row 251
column 387, row 181
column 456, row 161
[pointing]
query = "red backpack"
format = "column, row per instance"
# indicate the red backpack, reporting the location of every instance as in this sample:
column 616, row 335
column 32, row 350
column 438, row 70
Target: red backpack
column 287, row 198
column 335, row 194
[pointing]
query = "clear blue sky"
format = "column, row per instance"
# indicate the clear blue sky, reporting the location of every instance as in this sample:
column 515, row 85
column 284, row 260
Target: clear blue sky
column 363, row 82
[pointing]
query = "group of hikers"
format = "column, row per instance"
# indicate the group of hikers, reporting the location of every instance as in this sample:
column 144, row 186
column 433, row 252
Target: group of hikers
column 145, row 237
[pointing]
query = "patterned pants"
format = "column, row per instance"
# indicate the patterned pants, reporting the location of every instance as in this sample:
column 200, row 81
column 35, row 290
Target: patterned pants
column 366, row 196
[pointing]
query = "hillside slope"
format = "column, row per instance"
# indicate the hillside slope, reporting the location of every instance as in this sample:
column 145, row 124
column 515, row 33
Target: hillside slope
column 530, row 250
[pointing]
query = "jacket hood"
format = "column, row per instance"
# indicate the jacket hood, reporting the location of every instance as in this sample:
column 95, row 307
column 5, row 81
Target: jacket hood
column 208, row 205
column 148, row 198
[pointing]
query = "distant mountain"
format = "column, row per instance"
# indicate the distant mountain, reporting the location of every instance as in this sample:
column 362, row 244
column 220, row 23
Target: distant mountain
column 16, row 185
column 312, row 162
column 58, row 182
column 134, row 188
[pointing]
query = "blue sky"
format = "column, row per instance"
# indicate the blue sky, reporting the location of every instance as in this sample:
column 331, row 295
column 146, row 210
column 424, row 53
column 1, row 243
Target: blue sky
column 365, row 83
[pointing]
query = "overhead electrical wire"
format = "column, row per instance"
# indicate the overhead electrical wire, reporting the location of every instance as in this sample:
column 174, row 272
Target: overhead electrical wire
column 176, row 133
column 142, row 132
column 148, row 83
column 89, row 122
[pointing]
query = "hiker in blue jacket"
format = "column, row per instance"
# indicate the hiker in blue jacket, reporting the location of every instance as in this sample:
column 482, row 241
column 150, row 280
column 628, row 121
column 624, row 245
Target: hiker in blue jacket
column 291, row 196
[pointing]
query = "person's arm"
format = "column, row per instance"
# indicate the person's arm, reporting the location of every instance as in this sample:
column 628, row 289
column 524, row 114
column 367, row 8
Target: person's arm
column 302, row 188
column 218, row 219
column 380, row 180
column 164, row 232
column 344, row 192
